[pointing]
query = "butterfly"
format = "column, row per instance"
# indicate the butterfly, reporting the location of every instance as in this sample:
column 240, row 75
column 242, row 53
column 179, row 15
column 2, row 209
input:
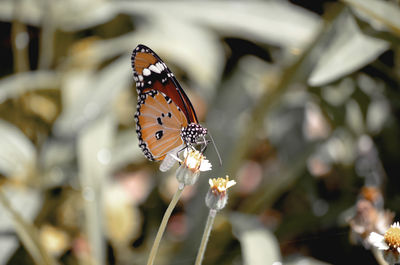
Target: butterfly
column 166, row 121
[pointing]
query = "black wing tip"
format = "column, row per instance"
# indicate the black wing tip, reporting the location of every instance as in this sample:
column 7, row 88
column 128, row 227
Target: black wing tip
column 139, row 47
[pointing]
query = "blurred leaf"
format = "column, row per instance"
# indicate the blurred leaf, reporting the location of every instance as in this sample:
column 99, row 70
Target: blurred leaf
column 30, row 11
column 259, row 245
column 94, row 156
column 125, row 150
column 380, row 14
column 378, row 112
column 17, row 153
column 349, row 51
column 8, row 245
column 27, row 203
column 15, row 85
column 56, row 158
column 87, row 95
column 277, row 23
column 338, row 94
column 354, row 117
column 86, row 14
column 341, row 147
column 89, row 13
column 274, row 22
column 26, row 231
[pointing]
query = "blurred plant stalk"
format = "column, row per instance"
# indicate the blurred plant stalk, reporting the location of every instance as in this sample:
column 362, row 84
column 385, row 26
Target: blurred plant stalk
column 47, row 34
column 28, row 234
column 20, row 40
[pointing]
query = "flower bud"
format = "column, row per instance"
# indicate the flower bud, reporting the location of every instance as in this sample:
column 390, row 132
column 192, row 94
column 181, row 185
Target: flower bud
column 217, row 196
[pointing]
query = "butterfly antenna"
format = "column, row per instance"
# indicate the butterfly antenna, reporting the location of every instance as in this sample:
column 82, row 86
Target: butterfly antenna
column 216, row 149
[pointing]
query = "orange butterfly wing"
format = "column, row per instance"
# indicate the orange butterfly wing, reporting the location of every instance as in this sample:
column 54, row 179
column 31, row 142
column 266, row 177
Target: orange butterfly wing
column 151, row 73
column 158, row 124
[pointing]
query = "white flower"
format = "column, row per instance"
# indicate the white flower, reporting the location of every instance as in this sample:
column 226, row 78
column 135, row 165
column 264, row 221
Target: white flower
column 193, row 163
column 194, row 160
column 389, row 243
column 217, row 196
column 221, row 184
column 378, row 241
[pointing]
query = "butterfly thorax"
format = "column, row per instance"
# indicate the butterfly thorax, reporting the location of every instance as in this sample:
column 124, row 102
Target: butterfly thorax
column 192, row 133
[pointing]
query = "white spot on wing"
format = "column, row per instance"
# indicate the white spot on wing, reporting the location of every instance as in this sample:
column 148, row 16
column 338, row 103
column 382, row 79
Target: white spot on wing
column 154, row 69
column 146, row 72
column 140, row 78
column 160, row 66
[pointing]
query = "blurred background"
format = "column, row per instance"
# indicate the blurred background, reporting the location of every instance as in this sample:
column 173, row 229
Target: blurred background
column 302, row 99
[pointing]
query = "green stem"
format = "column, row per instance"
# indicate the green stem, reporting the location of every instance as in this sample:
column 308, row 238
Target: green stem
column 163, row 224
column 206, row 235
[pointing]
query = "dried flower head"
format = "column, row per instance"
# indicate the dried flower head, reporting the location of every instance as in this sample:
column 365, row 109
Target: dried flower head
column 217, row 197
column 190, row 168
column 389, row 243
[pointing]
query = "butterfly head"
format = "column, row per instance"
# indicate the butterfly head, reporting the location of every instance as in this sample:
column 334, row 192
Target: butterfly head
column 192, row 133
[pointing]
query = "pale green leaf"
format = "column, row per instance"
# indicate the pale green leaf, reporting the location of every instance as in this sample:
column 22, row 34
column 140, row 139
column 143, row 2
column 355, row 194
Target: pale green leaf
column 349, row 51
column 259, row 245
column 15, row 85
column 26, row 231
column 17, row 153
column 383, row 15
column 86, row 95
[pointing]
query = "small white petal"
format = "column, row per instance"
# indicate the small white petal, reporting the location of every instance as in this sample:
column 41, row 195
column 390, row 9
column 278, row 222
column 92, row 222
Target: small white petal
column 205, row 165
column 396, row 224
column 378, row 241
column 210, row 182
column 230, row 184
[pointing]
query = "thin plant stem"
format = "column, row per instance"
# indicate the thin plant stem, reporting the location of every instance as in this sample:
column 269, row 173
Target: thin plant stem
column 163, row 224
column 378, row 257
column 206, row 235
